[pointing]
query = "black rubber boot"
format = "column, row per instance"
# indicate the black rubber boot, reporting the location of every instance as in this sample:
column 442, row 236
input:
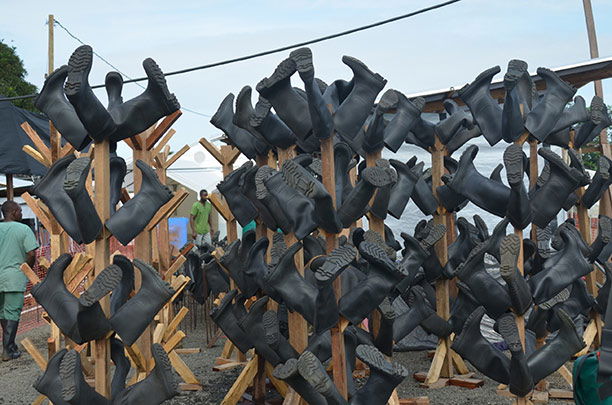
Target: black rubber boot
column 75, row 389
column 604, row 235
column 296, row 207
column 455, row 121
column 518, row 289
column 576, row 303
column 289, row 373
column 599, row 120
column 547, row 359
column 601, row 301
column 407, row 114
column 402, row 190
column 301, row 180
column 337, row 92
column 383, row 276
column 253, row 323
column 342, row 159
column 521, row 382
column 462, row 137
column 320, row 116
column 497, row 236
column 384, row 377
column 272, row 128
column 90, row 225
column 600, row 184
column 240, row 138
column 491, row 294
column 381, row 200
column 267, row 199
column 558, row 243
column 81, row 319
column 313, row 371
column 518, row 210
column 451, row 200
column 158, row 387
column 575, row 114
column 49, row 384
column 417, row 251
column 216, row 278
column 290, row 106
column 113, row 84
column 244, row 211
column 248, row 188
column 275, row 339
column 9, row 348
column 136, row 314
column 122, row 367
column 422, row 194
column 405, row 323
column 50, row 189
column 384, row 339
column 140, row 113
column 460, row 249
column 371, row 138
column 118, row 170
column 486, row 193
column 255, row 266
column 462, row 308
column 352, row 113
column 242, row 118
column 485, row 109
column 512, row 116
column 224, row 316
column 560, row 270
column 135, row 214
column 52, row 101
column 472, row 346
column 542, row 118
column 355, row 204
column 94, row 116
column 297, row 293
column 548, row 200
column 234, row 260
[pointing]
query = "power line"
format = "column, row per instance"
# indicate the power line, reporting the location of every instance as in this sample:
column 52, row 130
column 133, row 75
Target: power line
column 276, row 50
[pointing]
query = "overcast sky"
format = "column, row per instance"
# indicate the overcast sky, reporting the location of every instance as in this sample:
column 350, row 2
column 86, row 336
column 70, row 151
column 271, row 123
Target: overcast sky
column 442, row 48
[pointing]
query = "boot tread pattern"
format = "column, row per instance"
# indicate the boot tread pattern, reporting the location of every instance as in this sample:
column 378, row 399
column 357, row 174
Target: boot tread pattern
column 513, row 160
column 509, row 249
column 80, row 63
column 338, row 259
column 106, row 282
column 68, row 370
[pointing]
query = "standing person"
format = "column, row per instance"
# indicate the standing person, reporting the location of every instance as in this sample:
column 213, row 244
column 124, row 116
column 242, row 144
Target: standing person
column 17, row 246
column 199, row 220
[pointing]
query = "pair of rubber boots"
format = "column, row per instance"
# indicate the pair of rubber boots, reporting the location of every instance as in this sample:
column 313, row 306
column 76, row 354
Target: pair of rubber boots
column 10, row 351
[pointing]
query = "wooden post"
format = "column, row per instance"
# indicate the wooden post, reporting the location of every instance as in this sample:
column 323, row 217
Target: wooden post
column 10, row 192
column 442, row 364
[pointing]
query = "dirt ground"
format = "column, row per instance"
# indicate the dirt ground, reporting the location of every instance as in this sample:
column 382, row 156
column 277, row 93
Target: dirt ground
column 16, row 377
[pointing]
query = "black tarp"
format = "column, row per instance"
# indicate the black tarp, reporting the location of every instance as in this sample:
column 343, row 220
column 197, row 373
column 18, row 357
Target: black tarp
column 13, row 160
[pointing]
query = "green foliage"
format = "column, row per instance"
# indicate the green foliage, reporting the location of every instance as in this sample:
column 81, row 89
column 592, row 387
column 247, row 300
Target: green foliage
column 12, row 78
column 590, row 159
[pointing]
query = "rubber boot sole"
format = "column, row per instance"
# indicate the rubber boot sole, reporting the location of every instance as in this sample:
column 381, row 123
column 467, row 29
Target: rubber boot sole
column 337, row 260
column 106, row 282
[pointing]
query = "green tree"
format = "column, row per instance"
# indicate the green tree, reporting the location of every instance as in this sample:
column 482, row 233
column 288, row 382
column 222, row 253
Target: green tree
column 12, row 78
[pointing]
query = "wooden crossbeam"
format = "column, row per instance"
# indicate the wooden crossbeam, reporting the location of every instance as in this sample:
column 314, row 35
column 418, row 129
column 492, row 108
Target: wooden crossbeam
column 161, row 129
column 179, row 287
column 175, row 266
column 162, row 143
column 182, row 369
column 80, row 276
column 241, row 384
column 39, row 400
column 175, row 156
column 158, row 332
column 40, row 360
column 174, row 323
column 174, row 341
column 212, row 149
column 168, row 208
column 30, row 274
column 66, row 150
column 221, row 206
column 36, row 155
column 37, row 210
column 36, row 140
column 137, row 358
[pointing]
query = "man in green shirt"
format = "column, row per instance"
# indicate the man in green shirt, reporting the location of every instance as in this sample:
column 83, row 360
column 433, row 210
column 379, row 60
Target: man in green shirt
column 17, row 246
column 199, row 220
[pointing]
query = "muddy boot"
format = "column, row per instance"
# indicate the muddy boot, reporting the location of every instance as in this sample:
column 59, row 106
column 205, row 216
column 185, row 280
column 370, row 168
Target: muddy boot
column 384, row 377
column 301, row 180
column 159, row 386
column 49, row 384
column 224, row 316
column 267, row 199
column 136, row 314
column 135, row 214
column 81, row 319
column 352, row 113
column 599, row 120
column 383, row 276
column 547, row 359
column 356, row 203
column 601, row 182
column 521, row 382
column 90, row 225
column 402, row 190
column 407, row 115
column 518, row 210
column 487, row 194
column 512, row 116
column 289, row 373
column 289, row 105
column 140, row 113
column 52, row 101
column 75, row 389
column 520, row 295
column 560, row 270
column 297, row 293
column 122, row 367
column 50, row 189
column 313, row 371
column 272, row 128
column 95, row 118
column 472, row 346
column 548, row 200
column 485, row 109
column 240, row 138
column 244, row 211
column 542, row 118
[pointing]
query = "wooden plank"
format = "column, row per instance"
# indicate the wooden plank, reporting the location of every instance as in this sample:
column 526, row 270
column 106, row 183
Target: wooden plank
column 190, row 387
column 161, row 128
column 556, row 393
column 212, row 149
column 182, row 369
column 167, row 209
column 221, row 206
column 180, row 285
column 174, row 323
column 78, row 279
column 160, row 145
column 470, row 383
column 37, row 141
column 38, row 212
column 158, row 332
column 66, row 150
column 175, row 266
column 36, row 155
column 39, row 400
column 39, row 359
column 438, row 361
column 567, row 375
column 29, row 273
column 174, row 341
column 280, row 386
column 459, row 363
column 588, row 337
column 414, row 401
column 241, row 384
column 136, row 356
column 175, row 156
column 188, row 350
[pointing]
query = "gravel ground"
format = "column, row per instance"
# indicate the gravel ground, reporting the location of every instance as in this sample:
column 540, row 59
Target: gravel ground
column 16, row 377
